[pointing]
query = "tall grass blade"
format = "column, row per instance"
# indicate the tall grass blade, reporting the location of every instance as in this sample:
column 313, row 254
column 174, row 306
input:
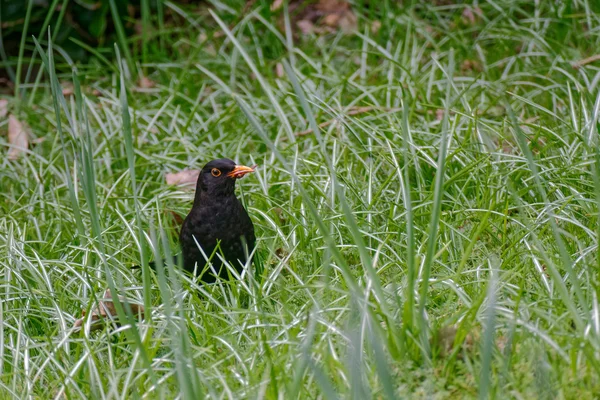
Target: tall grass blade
column 57, row 93
column 22, row 48
column 116, row 18
column 438, row 193
column 567, row 263
column 487, row 345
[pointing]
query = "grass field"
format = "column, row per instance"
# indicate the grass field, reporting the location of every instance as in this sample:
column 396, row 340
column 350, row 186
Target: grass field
column 426, row 207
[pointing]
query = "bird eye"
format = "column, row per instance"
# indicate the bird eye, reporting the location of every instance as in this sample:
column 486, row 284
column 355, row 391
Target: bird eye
column 215, row 172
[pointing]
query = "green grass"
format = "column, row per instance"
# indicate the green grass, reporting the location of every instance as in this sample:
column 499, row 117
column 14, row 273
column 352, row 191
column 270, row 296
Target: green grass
column 467, row 195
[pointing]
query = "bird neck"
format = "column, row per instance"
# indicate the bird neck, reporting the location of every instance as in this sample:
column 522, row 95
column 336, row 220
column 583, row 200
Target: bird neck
column 213, row 195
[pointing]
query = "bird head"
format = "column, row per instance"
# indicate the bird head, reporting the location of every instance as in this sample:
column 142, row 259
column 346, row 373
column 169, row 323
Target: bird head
column 218, row 176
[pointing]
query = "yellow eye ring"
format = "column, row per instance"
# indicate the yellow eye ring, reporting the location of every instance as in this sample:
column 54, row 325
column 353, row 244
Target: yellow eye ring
column 215, row 172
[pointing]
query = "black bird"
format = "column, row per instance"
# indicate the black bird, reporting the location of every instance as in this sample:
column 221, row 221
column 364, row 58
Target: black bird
column 217, row 223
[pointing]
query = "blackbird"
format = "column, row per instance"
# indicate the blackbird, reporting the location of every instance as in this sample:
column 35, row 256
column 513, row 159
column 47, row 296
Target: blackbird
column 218, row 223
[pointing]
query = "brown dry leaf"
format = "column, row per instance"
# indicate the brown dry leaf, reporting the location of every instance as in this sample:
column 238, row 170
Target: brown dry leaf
column 375, row 27
column 6, row 86
column 305, row 26
column 18, row 137
column 508, row 148
column 471, row 16
column 146, row 83
column 105, row 310
column 323, row 16
column 470, row 65
column 439, row 114
column 187, row 177
column 279, row 70
column 68, row 89
column 3, row 108
column 276, row 5
column 468, row 16
column 337, row 14
column 588, row 60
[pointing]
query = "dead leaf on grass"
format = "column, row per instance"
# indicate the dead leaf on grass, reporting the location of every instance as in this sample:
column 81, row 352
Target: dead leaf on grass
column 3, row 108
column 305, row 26
column 68, row 89
column 106, row 311
column 439, row 114
column 276, row 5
column 187, row 177
column 585, row 61
column 471, row 16
column 323, row 16
column 146, row 83
column 470, row 65
column 375, row 27
column 279, row 70
column 18, row 137
column 337, row 14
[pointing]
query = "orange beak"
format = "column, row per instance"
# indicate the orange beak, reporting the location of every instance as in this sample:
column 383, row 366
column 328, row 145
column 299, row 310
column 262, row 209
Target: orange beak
column 241, row 170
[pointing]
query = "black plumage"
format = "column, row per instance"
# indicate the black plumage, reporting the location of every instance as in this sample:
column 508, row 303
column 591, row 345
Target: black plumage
column 217, row 223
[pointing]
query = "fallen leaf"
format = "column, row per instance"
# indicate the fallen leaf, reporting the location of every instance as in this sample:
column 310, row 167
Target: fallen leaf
column 6, row 86
column 187, row 177
column 3, row 108
column 322, row 16
column 375, row 26
column 67, row 89
column 332, row 19
column 470, row 65
column 18, row 137
column 588, row 60
column 146, row 83
column 468, row 16
column 279, row 70
column 439, row 114
column 106, row 311
column 276, row 5
column 337, row 14
column 305, row 26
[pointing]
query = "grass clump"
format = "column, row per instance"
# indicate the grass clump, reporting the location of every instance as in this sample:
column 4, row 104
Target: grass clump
column 426, row 208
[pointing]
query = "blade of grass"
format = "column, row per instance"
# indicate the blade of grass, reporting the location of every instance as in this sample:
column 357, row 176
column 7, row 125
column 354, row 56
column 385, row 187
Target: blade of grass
column 22, row 48
column 263, row 83
column 354, row 229
column 438, row 193
column 487, row 345
column 57, row 92
column 539, row 185
column 121, row 35
column 128, row 139
column 408, row 312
